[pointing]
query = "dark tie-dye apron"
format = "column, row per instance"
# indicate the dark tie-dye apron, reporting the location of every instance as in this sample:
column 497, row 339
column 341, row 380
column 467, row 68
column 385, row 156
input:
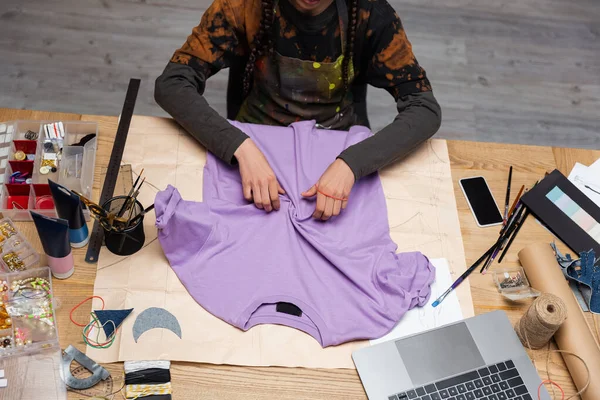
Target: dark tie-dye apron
column 288, row 89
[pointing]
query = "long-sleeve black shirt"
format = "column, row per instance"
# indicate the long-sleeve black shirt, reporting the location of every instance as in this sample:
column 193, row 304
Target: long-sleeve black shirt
column 384, row 59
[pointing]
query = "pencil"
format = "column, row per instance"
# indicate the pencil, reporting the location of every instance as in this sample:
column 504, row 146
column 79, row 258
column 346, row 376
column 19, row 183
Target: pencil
column 507, row 195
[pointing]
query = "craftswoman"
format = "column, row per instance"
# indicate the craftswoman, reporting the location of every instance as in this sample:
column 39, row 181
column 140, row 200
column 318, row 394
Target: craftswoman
column 293, row 60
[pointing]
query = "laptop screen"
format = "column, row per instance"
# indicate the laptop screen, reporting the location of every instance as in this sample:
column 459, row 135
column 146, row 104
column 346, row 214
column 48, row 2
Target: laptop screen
column 440, row 353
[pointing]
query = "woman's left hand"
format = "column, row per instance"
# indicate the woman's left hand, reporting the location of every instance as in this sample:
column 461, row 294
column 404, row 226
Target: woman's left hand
column 332, row 190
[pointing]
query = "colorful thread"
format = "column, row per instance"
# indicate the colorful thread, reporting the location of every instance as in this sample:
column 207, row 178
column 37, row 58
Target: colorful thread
column 79, row 305
column 133, row 392
column 94, row 323
column 134, row 366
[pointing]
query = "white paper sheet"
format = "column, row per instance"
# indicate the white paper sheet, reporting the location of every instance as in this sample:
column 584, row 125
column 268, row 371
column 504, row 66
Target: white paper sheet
column 587, row 180
column 595, row 167
column 423, row 318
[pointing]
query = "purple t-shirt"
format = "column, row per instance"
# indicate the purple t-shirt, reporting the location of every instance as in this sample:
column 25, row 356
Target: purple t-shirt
column 342, row 277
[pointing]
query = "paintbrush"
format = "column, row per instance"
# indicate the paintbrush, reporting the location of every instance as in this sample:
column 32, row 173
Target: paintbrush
column 123, row 209
column 464, row 275
column 514, row 235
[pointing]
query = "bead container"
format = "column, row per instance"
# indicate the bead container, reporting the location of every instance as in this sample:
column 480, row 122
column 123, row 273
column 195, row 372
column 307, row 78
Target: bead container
column 28, row 158
column 16, row 253
column 27, row 312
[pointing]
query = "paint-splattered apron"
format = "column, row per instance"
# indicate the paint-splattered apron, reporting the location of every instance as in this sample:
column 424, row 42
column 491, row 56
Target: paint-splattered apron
column 288, row 90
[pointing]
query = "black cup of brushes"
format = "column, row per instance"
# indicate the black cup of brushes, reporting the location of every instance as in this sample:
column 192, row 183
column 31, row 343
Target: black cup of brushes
column 124, row 235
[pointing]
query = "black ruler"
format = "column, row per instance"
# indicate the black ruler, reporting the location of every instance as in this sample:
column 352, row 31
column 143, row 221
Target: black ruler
column 110, row 180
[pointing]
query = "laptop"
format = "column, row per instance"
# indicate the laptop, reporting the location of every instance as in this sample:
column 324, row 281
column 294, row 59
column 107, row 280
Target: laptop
column 477, row 358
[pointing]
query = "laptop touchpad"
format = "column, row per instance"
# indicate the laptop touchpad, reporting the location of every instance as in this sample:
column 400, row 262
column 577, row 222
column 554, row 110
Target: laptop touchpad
column 439, row 354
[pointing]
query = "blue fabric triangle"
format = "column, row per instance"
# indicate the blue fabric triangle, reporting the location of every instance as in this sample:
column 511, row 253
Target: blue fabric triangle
column 116, row 316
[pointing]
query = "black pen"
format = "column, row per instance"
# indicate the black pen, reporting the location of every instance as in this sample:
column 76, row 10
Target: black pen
column 507, row 195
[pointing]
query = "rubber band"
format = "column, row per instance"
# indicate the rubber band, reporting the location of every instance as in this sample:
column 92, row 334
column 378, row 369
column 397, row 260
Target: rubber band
column 79, row 305
column 562, row 392
column 331, row 197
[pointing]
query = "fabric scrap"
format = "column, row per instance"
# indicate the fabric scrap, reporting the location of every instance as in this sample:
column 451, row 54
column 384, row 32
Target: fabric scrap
column 155, row 317
column 111, row 319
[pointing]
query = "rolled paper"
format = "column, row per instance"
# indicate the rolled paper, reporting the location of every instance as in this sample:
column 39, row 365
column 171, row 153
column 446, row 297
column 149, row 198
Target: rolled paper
column 574, row 334
column 68, row 206
column 54, row 235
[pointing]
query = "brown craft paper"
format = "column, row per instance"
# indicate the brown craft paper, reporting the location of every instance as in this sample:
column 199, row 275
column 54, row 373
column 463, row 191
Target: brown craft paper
column 574, row 335
column 422, row 216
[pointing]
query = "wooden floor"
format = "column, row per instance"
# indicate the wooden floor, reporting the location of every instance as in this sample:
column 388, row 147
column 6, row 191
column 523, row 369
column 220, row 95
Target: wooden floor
column 519, row 71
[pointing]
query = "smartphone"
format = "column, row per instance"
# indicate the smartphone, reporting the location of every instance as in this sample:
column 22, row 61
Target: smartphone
column 481, row 202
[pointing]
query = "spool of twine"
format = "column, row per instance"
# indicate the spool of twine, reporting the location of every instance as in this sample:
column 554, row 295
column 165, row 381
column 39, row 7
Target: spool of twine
column 541, row 321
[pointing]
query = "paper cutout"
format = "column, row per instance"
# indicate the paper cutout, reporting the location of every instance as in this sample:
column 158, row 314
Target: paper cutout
column 111, row 319
column 155, row 317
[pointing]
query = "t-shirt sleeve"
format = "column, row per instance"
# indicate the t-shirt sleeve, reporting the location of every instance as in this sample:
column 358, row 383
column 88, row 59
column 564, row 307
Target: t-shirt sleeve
column 215, row 42
column 392, row 65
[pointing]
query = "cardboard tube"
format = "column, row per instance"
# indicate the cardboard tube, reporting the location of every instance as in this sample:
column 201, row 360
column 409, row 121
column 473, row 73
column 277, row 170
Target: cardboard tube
column 574, row 335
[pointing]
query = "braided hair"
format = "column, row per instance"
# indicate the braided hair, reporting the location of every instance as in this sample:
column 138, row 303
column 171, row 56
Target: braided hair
column 263, row 43
column 350, row 45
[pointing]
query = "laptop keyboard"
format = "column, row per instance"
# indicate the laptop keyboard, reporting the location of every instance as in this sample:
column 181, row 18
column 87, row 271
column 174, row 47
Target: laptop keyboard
column 495, row 382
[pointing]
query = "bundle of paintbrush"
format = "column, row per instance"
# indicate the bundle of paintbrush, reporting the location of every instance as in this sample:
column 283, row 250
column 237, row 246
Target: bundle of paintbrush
column 510, row 228
column 108, row 220
column 128, row 206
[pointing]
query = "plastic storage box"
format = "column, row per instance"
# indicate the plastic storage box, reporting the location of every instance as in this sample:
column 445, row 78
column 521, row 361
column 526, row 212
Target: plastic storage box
column 25, row 148
column 16, row 253
column 30, row 353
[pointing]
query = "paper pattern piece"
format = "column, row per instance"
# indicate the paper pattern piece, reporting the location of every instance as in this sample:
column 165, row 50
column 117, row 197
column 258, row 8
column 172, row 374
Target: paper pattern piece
column 421, row 319
column 422, row 216
column 111, row 319
column 595, row 167
column 587, row 179
column 152, row 318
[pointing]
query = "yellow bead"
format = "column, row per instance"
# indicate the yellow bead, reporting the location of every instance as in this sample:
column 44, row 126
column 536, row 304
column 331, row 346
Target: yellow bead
column 331, row 86
column 337, row 109
column 316, row 65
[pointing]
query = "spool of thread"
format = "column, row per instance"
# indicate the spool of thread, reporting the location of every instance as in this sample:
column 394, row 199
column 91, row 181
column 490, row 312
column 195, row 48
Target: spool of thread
column 541, row 321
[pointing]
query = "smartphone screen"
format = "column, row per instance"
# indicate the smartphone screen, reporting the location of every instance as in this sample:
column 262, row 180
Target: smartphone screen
column 481, row 201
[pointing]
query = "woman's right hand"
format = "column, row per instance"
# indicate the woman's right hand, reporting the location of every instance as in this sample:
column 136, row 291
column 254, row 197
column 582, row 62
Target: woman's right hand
column 258, row 179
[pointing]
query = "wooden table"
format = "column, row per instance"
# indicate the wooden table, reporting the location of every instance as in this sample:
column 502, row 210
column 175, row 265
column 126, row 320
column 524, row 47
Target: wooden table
column 205, row 381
